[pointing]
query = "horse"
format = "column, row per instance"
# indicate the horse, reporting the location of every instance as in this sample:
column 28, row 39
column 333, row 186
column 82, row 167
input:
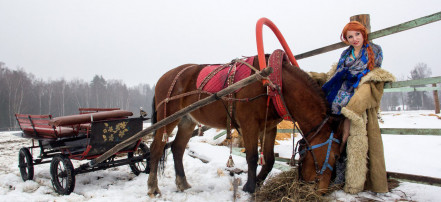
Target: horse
column 304, row 101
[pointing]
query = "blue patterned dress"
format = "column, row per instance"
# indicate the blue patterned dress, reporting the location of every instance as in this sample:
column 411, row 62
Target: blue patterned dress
column 340, row 88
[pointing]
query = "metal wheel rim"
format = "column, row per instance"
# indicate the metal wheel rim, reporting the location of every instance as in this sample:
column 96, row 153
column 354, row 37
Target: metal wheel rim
column 142, row 165
column 61, row 174
column 24, row 168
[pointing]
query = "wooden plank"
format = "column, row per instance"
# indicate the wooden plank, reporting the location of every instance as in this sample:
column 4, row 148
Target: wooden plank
column 410, row 131
column 399, row 176
column 374, row 35
column 319, row 51
column 388, row 131
column 411, row 89
column 208, row 100
column 406, row 26
column 278, row 131
column 415, row 178
column 220, row 135
column 287, row 131
column 415, row 82
column 283, row 167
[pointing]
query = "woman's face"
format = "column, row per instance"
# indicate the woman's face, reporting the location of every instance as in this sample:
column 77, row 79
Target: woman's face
column 355, row 39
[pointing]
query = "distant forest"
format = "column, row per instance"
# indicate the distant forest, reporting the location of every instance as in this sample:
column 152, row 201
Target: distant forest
column 418, row 100
column 21, row 92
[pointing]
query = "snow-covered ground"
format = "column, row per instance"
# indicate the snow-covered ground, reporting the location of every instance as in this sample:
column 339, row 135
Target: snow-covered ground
column 210, row 182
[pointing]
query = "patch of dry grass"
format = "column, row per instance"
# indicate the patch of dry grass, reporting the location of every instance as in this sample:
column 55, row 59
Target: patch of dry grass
column 287, row 187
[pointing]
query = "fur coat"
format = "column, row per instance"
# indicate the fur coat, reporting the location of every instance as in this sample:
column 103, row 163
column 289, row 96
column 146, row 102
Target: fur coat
column 365, row 167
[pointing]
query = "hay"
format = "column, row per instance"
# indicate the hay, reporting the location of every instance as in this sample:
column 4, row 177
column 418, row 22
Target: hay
column 284, row 125
column 238, row 140
column 235, row 138
column 287, row 187
column 435, row 115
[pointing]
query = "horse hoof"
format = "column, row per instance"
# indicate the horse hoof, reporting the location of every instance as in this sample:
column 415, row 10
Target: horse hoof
column 154, row 193
column 184, row 187
column 182, row 184
column 249, row 188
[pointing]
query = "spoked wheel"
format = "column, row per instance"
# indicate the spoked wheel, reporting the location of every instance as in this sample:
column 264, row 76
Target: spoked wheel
column 62, row 173
column 141, row 166
column 25, row 164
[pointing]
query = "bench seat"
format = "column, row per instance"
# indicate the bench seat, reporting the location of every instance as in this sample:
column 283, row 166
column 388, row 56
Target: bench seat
column 36, row 126
column 46, row 132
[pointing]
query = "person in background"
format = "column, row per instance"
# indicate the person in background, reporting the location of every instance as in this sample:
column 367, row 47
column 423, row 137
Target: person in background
column 354, row 87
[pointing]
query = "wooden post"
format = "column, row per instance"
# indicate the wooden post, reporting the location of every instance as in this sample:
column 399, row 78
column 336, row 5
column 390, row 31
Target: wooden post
column 364, row 19
column 436, row 99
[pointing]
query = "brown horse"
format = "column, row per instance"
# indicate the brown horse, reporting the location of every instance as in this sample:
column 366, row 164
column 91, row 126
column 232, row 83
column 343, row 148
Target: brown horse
column 304, row 100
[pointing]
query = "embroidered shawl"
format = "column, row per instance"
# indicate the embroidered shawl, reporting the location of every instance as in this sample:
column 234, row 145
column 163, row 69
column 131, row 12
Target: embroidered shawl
column 340, row 88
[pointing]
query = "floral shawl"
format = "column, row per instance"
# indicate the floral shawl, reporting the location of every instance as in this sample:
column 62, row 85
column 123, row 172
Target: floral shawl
column 340, row 88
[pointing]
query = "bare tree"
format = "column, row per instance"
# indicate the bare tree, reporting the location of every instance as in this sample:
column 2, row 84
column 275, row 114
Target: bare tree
column 420, row 99
column 20, row 92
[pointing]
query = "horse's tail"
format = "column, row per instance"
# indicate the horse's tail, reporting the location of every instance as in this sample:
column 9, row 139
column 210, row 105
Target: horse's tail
column 154, row 113
column 164, row 153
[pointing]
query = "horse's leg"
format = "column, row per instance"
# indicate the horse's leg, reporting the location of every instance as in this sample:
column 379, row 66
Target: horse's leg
column 250, row 136
column 268, row 153
column 185, row 130
column 156, row 151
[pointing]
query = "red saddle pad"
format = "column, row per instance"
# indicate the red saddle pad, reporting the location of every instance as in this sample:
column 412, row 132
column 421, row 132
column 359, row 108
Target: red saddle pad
column 218, row 81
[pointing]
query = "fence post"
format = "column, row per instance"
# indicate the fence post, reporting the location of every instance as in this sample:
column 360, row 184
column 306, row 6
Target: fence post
column 436, row 99
column 364, row 19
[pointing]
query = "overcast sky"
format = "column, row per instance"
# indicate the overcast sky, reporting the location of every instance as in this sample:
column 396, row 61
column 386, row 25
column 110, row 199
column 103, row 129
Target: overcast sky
column 138, row 41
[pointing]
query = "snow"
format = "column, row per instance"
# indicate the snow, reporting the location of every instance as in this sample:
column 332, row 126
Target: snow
column 413, row 154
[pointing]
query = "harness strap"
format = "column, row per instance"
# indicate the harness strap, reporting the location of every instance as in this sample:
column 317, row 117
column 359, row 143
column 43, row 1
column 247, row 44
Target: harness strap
column 317, row 128
column 328, row 152
column 169, row 94
column 208, row 93
column 180, row 96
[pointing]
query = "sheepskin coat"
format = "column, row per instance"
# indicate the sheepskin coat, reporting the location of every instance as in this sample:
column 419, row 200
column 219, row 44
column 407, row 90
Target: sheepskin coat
column 365, row 167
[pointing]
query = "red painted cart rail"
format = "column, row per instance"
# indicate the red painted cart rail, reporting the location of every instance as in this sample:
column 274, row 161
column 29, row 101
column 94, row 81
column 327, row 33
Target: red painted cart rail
column 37, row 126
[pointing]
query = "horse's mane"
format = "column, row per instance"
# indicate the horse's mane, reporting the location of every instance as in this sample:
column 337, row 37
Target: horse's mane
column 305, row 77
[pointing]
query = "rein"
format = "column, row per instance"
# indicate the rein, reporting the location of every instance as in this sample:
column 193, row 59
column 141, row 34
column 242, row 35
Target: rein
column 328, row 152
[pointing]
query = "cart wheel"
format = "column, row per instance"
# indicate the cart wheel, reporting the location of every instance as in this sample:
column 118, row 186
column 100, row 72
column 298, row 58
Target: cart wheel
column 62, row 173
column 25, row 164
column 142, row 166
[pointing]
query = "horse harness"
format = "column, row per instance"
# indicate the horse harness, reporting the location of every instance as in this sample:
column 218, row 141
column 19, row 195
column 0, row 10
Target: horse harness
column 304, row 141
column 274, row 93
column 202, row 83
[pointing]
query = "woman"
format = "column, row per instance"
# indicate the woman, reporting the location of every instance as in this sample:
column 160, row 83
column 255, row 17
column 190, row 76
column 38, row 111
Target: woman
column 354, row 88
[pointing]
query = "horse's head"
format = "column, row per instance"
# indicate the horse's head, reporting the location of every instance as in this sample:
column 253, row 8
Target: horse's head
column 319, row 152
column 307, row 104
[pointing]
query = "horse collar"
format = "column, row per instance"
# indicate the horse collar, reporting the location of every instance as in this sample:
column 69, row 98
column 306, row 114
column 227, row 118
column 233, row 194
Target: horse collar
column 275, row 61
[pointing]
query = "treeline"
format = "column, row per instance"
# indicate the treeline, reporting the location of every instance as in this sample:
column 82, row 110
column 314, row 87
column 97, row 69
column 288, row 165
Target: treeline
column 418, row 100
column 21, row 92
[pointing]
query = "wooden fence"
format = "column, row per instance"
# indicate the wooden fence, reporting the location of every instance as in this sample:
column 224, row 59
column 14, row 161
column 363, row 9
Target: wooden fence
column 400, row 86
